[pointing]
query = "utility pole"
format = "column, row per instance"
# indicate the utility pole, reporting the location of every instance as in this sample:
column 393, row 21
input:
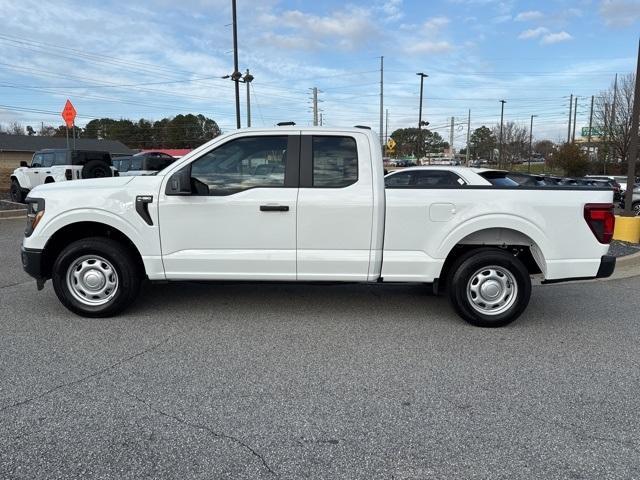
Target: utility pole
column 420, row 141
column 633, row 144
column 386, row 128
column 468, row 134
column 315, row 106
column 530, row 143
column 613, row 115
column 575, row 112
column 570, row 111
column 590, row 125
column 236, row 74
column 501, row 122
column 320, row 118
column 247, row 79
column 451, row 138
column 381, row 102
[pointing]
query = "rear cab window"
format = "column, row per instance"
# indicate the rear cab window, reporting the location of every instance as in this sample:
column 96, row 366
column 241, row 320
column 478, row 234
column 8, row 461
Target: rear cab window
column 335, row 161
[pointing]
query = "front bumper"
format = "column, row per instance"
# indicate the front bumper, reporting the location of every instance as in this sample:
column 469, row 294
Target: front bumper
column 607, row 266
column 32, row 262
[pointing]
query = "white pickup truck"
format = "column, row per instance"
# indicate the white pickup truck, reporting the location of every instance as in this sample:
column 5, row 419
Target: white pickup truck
column 310, row 204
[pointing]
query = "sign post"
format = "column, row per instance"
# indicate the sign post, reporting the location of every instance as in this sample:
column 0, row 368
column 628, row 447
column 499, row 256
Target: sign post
column 69, row 116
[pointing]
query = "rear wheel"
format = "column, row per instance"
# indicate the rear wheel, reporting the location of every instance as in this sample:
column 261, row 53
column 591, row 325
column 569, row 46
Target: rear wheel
column 489, row 287
column 15, row 192
column 96, row 169
column 636, row 209
column 96, row 277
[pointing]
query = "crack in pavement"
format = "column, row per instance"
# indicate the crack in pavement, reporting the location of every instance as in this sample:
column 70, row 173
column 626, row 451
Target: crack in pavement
column 205, row 428
column 94, row 374
column 16, row 284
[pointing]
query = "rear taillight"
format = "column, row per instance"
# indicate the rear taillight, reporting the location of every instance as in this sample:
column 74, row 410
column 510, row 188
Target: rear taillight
column 601, row 221
column 68, row 174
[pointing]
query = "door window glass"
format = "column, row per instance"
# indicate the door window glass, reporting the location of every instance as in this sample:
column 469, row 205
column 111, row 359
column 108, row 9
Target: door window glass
column 335, row 161
column 37, row 160
column 47, row 159
column 436, row 179
column 398, row 179
column 60, row 158
column 241, row 164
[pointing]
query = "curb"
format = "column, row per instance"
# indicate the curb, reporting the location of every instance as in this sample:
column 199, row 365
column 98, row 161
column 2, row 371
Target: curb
column 627, row 261
column 10, row 214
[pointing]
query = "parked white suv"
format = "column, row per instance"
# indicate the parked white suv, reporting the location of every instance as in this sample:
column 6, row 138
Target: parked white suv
column 310, row 204
column 58, row 165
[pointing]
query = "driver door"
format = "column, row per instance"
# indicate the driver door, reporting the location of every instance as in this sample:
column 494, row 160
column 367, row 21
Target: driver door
column 239, row 221
column 36, row 170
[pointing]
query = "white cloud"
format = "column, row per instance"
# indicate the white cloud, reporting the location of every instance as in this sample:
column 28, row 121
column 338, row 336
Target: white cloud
column 435, row 24
column 552, row 38
column 533, row 33
column 429, row 47
column 347, row 28
column 392, row 10
column 620, row 12
column 529, row 16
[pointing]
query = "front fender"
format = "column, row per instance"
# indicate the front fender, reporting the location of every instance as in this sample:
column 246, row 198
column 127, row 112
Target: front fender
column 22, row 178
column 145, row 241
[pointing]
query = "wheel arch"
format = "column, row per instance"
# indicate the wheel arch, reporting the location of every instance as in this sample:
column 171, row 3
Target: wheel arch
column 519, row 244
column 84, row 229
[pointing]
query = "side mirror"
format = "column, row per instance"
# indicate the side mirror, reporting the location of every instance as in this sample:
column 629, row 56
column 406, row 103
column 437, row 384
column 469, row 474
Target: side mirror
column 180, row 182
column 23, row 164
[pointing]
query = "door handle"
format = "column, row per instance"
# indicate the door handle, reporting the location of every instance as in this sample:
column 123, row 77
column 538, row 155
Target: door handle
column 274, row 208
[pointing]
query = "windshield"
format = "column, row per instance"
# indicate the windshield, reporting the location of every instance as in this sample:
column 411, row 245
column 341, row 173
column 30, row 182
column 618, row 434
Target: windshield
column 498, row 179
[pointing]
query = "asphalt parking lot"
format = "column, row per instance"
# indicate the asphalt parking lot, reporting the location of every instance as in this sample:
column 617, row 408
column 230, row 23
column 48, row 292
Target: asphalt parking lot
column 308, row 381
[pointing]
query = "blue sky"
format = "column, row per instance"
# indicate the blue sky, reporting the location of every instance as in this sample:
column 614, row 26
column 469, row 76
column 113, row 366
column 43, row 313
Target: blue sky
column 159, row 58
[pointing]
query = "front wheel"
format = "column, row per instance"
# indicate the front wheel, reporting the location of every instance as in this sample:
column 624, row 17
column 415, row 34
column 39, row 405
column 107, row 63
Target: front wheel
column 489, row 287
column 15, row 192
column 96, row 277
column 636, row 209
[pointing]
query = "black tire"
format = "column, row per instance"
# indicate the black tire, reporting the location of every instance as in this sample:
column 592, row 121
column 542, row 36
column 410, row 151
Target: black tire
column 476, row 266
column 128, row 276
column 636, row 209
column 96, row 169
column 15, row 192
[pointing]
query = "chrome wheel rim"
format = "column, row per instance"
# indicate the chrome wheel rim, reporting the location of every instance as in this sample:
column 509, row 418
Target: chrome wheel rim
column 636, row 210
column 92, row 280
column 492, row 290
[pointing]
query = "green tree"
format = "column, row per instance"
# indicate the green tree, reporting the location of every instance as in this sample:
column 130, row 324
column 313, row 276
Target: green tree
column 408, row 140
column 572, row 159
column 482, row 142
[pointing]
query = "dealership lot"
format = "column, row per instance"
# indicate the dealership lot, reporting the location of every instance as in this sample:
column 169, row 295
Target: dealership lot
column 310, row 381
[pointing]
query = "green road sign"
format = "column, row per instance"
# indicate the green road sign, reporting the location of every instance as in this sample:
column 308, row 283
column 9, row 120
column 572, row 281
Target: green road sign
column 595, row 132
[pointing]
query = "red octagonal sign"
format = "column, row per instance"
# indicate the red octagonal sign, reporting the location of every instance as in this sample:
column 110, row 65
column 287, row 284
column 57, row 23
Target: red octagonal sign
column 69, row 114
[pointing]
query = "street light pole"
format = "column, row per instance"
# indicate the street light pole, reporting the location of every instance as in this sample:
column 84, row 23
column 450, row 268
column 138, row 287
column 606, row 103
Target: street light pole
column 420, row 141
column 633, row 144
column 247, row 79
column 530, row 143
column 236, row 74
column 501, row 122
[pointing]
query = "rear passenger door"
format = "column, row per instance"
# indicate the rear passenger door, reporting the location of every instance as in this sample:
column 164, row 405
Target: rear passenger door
column 335, row 207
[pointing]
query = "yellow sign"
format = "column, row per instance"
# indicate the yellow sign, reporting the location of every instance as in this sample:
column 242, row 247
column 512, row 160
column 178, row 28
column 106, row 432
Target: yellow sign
column 391, row 144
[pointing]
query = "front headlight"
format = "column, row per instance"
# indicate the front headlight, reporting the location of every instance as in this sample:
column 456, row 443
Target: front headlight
column 35, row 212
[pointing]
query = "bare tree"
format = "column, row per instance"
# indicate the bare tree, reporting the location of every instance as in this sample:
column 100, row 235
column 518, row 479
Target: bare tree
column 618, row 131
column 47, row 131
column 515, row 141
column 15, row 128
